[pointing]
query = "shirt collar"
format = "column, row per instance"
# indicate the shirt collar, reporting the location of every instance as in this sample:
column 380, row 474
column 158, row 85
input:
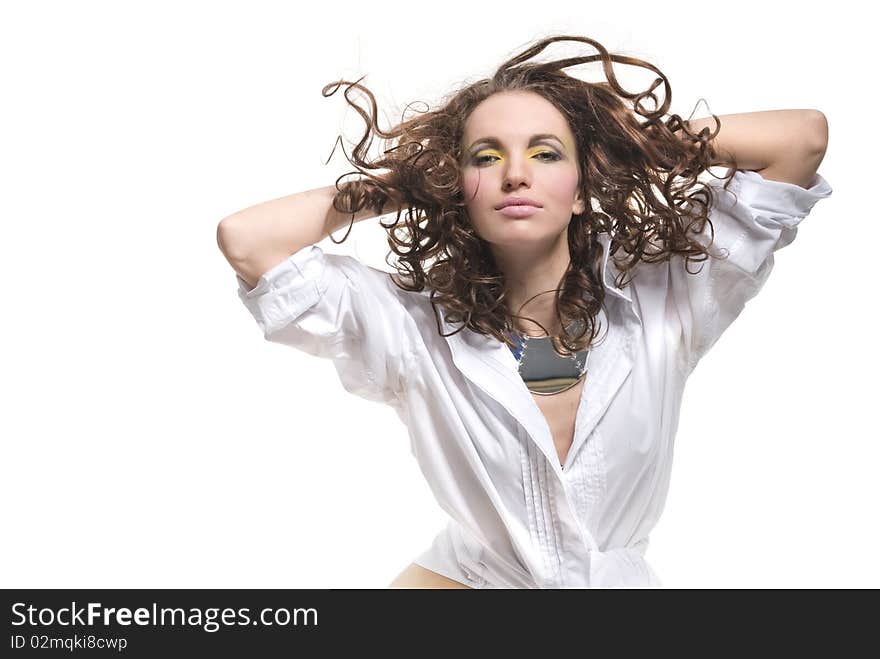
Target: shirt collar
column 610, row 271
column 489, row 364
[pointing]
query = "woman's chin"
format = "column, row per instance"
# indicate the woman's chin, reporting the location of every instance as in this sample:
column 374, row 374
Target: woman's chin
column 525, row 240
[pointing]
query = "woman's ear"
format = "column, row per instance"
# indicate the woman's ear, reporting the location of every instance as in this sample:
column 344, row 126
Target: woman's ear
column 578, row 207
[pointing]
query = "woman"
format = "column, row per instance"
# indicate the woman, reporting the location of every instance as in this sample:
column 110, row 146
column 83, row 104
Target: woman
column 549, row 445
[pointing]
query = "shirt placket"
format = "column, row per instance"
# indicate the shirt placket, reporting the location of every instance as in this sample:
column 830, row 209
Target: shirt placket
column 553, row 524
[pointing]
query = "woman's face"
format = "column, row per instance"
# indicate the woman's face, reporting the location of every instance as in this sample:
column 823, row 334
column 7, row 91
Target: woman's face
column 520, row 161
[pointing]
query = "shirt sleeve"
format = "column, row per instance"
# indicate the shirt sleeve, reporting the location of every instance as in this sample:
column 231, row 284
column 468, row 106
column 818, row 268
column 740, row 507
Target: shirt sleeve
column 752, row 219
column 335, row 307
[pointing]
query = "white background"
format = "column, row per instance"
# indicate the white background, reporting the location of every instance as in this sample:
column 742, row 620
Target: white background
column 152, row 438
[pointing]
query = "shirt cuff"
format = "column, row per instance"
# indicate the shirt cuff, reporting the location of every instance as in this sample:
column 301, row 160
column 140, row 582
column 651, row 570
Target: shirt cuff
column 774, row 200
column 287, row 290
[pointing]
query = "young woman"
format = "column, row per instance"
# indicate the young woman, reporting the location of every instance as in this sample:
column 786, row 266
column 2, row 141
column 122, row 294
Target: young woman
column 548, row 442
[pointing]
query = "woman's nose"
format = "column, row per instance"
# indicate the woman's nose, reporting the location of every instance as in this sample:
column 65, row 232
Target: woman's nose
column 515, row 173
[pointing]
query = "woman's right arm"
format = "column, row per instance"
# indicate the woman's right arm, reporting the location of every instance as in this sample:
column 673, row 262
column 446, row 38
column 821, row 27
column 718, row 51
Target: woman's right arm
column 328, row 305
column 256, row 239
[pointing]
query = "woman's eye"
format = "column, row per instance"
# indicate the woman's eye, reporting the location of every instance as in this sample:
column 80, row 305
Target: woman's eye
column 479, row 160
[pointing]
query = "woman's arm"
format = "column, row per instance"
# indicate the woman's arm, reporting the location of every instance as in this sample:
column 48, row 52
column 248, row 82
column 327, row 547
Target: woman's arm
column 751, row 221
column 783, row 145
column 259, row 237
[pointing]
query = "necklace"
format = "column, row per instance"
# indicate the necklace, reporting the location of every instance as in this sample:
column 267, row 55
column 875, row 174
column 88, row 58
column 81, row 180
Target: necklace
column 544, row 370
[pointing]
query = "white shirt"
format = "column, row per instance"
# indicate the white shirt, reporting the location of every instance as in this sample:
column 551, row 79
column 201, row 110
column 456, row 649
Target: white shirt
column 518, row 518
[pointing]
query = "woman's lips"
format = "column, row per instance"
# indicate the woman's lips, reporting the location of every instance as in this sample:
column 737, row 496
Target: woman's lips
column 520, row 210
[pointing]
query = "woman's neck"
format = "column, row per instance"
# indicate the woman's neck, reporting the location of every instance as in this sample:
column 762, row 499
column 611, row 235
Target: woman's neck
column 528, row 272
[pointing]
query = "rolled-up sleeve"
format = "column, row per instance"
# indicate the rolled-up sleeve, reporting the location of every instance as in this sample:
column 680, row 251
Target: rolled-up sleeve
column 335, row 307
column 752, row 219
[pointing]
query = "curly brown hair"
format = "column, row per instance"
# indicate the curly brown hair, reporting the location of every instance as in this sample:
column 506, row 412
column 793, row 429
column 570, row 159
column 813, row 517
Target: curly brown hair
column 624, row 163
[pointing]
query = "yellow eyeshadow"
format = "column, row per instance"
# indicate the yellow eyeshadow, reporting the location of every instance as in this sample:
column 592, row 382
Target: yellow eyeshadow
column 493, row 152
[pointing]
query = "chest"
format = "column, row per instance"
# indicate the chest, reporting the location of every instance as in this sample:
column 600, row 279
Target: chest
column 560, row 411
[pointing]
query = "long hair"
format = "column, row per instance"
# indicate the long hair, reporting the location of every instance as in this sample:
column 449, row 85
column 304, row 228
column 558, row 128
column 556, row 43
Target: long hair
column 640, row 178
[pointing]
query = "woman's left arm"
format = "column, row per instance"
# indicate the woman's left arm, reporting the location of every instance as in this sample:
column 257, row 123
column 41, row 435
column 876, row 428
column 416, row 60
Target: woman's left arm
column 778, row 155
column 783, row 145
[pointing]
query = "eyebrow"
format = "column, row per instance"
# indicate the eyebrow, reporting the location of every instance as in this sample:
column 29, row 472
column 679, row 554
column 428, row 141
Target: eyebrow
column 540, row 137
